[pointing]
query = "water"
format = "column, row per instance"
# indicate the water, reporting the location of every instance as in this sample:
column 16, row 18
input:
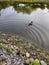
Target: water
column 16, row 21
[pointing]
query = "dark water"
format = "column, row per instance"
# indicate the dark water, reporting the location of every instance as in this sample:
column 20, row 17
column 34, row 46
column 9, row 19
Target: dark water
column 16, row 21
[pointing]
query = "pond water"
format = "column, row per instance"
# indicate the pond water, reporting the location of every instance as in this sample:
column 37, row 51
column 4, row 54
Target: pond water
column 16, row 21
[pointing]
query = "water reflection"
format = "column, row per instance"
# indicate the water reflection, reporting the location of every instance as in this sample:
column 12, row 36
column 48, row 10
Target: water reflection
column 25, row 8
column 16, row 21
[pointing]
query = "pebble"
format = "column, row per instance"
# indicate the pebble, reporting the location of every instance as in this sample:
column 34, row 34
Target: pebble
column 20, row 54
column 16, row 47
column 31, row 59
column 27, row 55
column 43, row 62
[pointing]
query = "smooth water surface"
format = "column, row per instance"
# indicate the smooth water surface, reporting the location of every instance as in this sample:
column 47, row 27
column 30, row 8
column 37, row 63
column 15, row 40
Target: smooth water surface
column 16, row 21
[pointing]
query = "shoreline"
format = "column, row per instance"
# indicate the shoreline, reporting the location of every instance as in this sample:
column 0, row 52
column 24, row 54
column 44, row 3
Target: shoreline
column 13, row 46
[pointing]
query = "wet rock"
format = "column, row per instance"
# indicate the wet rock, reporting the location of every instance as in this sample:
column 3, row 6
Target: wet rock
column 42, row 62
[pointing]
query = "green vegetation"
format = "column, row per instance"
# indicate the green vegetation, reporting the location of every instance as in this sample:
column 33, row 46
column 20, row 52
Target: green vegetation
column 35, row 62
column 4, row 4
column 28, row 8
column 9, row 50
column 6, row 47
column 28, row 0
column 33, row 0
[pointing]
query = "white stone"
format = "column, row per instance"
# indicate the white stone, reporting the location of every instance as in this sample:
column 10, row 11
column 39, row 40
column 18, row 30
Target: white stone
column 27, row 54
column 42, row 62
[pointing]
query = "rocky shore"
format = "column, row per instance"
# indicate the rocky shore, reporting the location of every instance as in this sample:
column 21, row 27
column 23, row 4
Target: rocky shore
column 15, row 50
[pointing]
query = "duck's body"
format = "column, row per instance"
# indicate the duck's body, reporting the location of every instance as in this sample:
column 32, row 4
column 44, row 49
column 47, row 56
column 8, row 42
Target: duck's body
column 30, row 23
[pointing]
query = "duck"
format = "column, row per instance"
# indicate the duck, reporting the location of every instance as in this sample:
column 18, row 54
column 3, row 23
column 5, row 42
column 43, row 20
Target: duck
column 31, row 23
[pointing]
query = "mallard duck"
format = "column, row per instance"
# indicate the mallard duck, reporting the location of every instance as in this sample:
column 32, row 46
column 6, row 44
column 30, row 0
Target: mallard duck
column 30, row 23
